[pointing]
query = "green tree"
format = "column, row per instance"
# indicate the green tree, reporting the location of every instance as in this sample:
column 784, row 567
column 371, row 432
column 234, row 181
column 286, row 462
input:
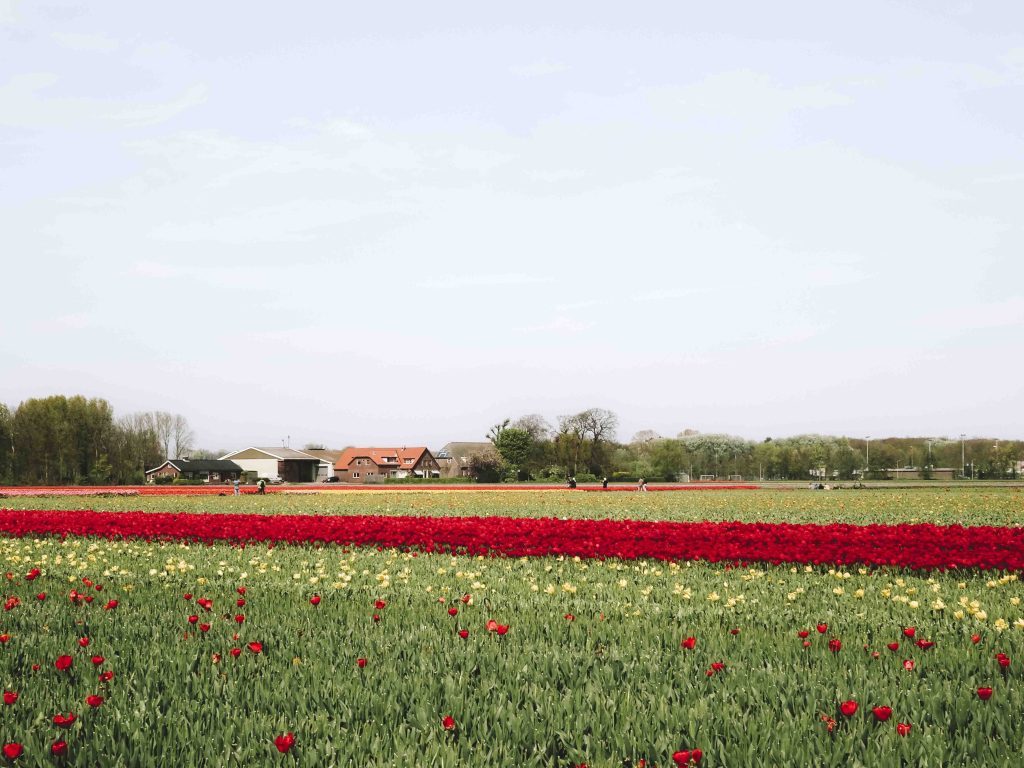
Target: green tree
column 514, row 446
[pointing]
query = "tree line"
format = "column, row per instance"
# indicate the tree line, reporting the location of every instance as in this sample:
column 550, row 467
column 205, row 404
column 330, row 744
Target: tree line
column 73, row 440
column 62, row 440
column 584, row 445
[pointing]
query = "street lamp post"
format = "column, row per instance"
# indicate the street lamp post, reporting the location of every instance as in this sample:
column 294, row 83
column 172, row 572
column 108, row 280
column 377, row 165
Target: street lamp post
column 963, row 462
column 867, row 455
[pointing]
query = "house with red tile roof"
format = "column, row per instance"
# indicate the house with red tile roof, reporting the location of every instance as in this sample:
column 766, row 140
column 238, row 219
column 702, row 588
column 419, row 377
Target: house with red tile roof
column 374, row 465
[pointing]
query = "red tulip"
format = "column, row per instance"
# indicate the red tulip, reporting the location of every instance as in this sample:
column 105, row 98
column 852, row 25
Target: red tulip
column 94, row 700
column 689, row 643
column 59, row 748
column 717, row 666
column 893, row 647
column 924, row 645
column 453, row 611
column 240, row 590
column 975, row 639
column 734, row 631
column 984, row 694
column 835, row 645
column 376, row 618
column 106, row 677
column 909, row 632
column 909, row 665
column 13, row 751
column 448, row 723
column 284, row 742
column 255, row 647
column 239, row 618
column 822, row 628
column 83, row 642
column 10, row 697
column 236, row 652
column 882, row 713
column 903, row 728
column 41, row 596
column 63, row 663
column 35, row 667
column 466, row 599
column 807, row 643
column 569, row 617
column 463, row 633
column 31, row 575
column 361, row 663
column 193, row 619
column 314, row 600
column 4, row 637
column 204, row 627
column 188, row 595
column 240, row 602
column 64, row 721
column 681, row 758
column 111, row 605
column 848, row 708
column 501, row 629
column 802, row 634
column 379, row 605
column 1003, row 659
column 97, row 660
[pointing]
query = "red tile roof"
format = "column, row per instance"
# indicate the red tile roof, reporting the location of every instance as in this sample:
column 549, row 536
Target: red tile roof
column 378, row 456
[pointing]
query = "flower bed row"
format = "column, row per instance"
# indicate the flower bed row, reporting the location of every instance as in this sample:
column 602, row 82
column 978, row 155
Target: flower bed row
column 226, row 489
column 921, row 546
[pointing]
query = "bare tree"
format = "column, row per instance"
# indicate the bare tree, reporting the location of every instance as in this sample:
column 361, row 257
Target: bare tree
column 163, row 425
column 183, row 435
column 535, row 425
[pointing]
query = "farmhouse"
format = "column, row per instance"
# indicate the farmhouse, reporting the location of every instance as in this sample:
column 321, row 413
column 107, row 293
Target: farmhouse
column 373, row 465
column 207, row 470
column 290, row 465
column 455, row 458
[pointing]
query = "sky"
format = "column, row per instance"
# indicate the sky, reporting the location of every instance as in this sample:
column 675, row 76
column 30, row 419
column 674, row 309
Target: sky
column 401, row 223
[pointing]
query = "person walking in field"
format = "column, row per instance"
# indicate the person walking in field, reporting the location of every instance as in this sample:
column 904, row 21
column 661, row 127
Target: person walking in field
column 261, row 486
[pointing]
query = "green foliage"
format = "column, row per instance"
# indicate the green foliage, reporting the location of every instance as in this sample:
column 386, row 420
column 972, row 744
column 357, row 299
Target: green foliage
column 608, row 688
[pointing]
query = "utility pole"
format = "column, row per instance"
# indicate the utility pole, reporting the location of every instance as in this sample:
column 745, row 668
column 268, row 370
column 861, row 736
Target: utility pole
column 963, row 462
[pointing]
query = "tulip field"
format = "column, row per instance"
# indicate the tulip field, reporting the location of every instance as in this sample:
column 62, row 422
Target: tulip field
column 489, row 628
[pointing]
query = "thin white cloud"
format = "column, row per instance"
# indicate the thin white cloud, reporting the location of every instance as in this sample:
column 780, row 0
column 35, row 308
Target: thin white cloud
column 463, row 281
column 8, row 12
column 93, row 43
column 540, row 68
column 977, row 316
column 561, row 324
column 152, row 114
column 23, row 103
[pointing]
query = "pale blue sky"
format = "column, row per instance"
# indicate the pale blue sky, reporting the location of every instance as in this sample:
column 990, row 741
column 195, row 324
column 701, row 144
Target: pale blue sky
column 401, row 223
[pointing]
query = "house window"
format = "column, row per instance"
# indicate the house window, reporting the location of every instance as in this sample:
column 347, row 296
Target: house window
column 408, row 461
column 355, row 474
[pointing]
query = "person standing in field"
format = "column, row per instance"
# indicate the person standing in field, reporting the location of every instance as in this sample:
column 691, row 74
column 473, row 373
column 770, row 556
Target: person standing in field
column 604, row 483
column 236, row 487
column 261, row 486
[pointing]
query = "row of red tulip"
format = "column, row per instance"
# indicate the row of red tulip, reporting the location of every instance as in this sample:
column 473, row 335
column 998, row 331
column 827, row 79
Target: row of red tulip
column 923, row 546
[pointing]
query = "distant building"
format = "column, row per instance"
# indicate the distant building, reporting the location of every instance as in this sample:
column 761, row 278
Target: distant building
column 290, row 465
column 207, row 470
column 374, row 465
column 455, row 458
column 327, row 460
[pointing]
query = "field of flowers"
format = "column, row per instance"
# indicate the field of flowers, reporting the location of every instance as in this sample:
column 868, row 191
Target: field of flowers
column 956, row 506
column 140, row 652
